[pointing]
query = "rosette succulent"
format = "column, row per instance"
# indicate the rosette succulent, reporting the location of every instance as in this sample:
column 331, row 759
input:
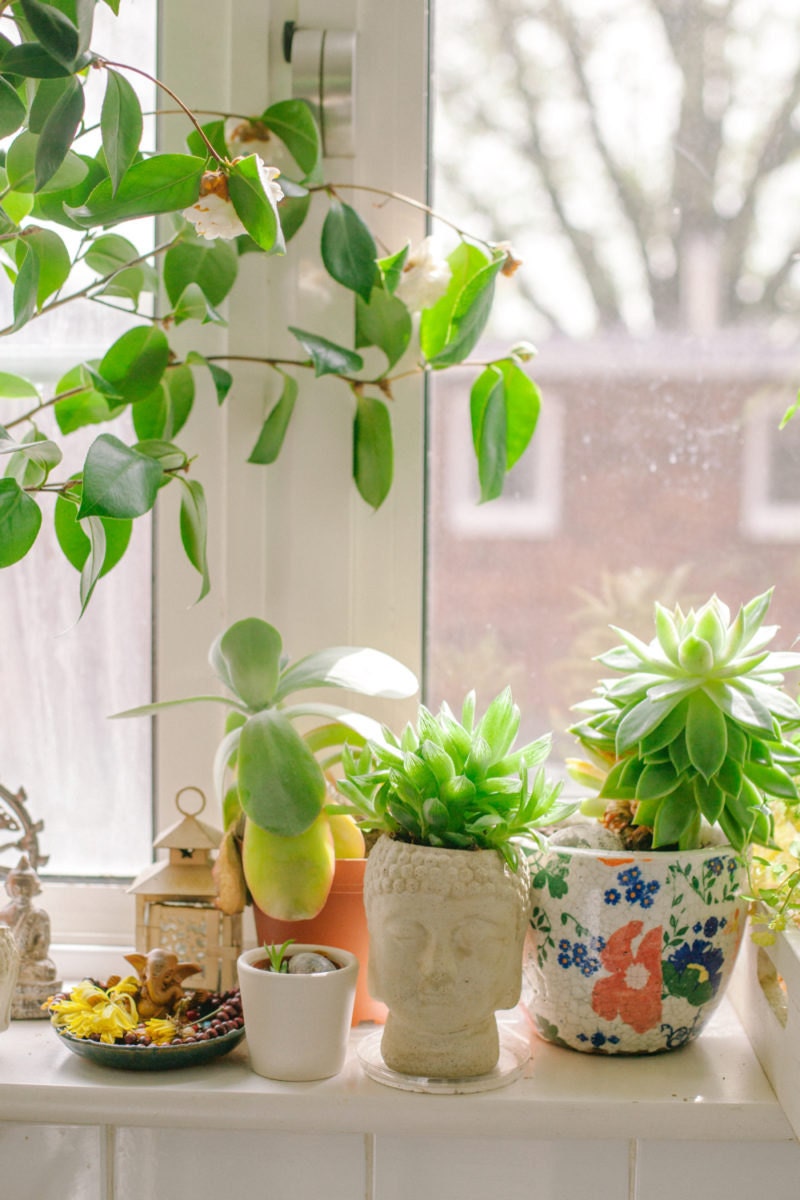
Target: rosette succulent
column 695, row 724
column 455, row 784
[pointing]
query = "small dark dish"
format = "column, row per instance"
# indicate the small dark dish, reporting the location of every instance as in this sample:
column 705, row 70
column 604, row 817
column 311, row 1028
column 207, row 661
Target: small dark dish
column 151, row 1058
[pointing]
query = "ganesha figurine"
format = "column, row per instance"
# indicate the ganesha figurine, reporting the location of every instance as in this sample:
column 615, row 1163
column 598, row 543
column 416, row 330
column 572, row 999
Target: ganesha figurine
column 161, row 976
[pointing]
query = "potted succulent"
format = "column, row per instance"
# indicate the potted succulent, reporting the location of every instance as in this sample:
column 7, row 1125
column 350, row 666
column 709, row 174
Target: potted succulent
column 446, row 888
column 297, row 1002
column 282, row 847
column 636, row 925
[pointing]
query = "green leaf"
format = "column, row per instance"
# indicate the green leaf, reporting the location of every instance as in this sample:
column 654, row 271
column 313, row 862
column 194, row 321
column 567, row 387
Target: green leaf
column 253, row 205
column 373, row 454
column 469, row 316
column 92, row 568
column 328, row 358
column 161, row 184
column 391, row 268
column 167, row 454
column 292, row 121
column 222, row 379
column 49, row 205
column 281, row 785
column 194, row 530
column 54, row 262
column 30, row 460
column 489, row 431
column 118, row 481
column 384, row 322
column 675, row 814
column 16, row 206
column 292, row 212
column 48, row 93
column 192, row 305
column 120, row 126
column 466, row 262
column 57, row 134
column 212, row 265
column 354, row 668
column 247, row 658
column 165, row 411
column 215, row 132
column 136, row 362
column 74, row 542
column 710, row 799
column 349, row 250
column 57, row 33
column 273, row 431
column 20, row 520
column 33, row 62
column 12, row 109
column 109, row 252
column 26, row 289
column 13, row 386
column 86, row 407
column 706, row 734
column 21, row 167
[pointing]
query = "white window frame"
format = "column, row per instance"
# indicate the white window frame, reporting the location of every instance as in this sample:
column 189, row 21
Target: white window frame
column 293, row 543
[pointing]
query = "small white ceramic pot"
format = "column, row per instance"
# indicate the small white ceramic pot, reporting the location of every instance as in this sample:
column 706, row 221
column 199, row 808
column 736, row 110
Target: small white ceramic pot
column 297, row 1026
column 630, row 952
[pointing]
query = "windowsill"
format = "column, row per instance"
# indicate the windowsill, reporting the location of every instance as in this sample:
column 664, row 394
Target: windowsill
column 713, row 1089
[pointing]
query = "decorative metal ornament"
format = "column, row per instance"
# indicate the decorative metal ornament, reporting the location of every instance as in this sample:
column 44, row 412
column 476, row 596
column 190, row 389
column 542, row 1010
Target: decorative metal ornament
column 175, row 909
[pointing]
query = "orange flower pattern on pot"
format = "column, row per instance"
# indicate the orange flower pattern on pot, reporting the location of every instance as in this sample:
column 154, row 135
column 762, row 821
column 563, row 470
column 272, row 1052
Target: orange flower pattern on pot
column 632, row 991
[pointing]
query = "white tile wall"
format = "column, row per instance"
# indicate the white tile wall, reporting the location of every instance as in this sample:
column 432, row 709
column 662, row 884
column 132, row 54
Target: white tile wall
column 153, row 1164
column 52, row 1162
column 479, row 1168
column 717, row 1170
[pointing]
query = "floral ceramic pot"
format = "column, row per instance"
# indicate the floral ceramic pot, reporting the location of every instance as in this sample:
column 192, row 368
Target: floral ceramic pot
column 629, row 952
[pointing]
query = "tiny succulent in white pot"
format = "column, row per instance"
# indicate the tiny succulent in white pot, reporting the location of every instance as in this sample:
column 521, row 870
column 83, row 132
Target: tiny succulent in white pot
column 694, row 725
column 276, row 806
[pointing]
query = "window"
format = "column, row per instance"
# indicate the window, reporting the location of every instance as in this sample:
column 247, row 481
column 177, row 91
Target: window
column 640, row 157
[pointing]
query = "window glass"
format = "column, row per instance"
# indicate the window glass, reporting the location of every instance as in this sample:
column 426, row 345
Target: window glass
column 640, row 155
column 84, row 775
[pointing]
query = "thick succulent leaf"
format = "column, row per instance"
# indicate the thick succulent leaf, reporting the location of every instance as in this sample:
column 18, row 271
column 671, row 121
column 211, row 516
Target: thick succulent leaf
column 744, row 708
column 676, row 813
column 246, row 657
column 369, row 672
column 706, row 734
column 774, row 781
column 339, row 718
column 642, row 719
column 710, row 799
column 657, row 780
column 500, row 723
column 753, row 614
column 281, row 784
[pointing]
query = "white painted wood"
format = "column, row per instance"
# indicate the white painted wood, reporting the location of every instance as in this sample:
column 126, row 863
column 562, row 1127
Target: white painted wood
column 52, row 1162
column 716, row 1170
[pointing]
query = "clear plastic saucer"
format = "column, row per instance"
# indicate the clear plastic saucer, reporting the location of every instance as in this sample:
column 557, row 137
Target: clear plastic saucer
column 514, row 1054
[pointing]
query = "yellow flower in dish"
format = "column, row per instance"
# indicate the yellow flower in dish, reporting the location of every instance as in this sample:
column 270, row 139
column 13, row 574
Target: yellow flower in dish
column 161, row 1029
column 89, row 1010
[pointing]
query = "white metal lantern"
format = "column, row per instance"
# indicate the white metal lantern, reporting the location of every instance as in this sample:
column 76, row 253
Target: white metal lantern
column 175, row 907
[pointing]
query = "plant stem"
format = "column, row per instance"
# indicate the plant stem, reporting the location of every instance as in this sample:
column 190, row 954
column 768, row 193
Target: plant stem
column 103, row 62
column 97, row 283
column 403, row 199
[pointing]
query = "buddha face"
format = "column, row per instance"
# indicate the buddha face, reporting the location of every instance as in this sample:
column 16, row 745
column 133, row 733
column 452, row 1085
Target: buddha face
column 445, row 966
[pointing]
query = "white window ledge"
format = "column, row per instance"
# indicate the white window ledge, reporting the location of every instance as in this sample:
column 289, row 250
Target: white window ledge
column 713, row 1089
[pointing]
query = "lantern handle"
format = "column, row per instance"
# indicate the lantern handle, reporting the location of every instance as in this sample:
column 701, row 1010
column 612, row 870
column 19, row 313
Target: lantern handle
column 197, row 811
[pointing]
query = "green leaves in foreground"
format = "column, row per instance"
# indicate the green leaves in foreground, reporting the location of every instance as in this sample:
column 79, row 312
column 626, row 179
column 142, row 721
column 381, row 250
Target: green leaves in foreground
column 504, row 410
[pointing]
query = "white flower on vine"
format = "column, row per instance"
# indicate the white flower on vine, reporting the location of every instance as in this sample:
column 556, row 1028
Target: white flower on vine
column 247, row 136
column 213, row 214
column 426, row 276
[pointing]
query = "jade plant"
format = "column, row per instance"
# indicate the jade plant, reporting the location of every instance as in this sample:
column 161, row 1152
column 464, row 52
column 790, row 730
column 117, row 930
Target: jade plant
column 694, row 726
column 69, row 182
column 457, row 784
column 280, row 840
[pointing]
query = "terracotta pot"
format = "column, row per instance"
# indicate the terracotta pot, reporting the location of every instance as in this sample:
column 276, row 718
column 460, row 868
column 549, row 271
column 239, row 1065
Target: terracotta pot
column 630, row 952
column 446, row 932
column 297, row 1026
column 342, row 922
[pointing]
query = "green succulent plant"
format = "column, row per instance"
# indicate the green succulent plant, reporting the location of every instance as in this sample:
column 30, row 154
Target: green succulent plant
column 695, row 725
column 455, row 784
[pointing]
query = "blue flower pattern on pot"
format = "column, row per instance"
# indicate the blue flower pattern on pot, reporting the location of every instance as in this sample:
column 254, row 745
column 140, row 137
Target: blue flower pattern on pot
column 599, row 1039
column 580, row 955
column 637, row 890
column 694, row 971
